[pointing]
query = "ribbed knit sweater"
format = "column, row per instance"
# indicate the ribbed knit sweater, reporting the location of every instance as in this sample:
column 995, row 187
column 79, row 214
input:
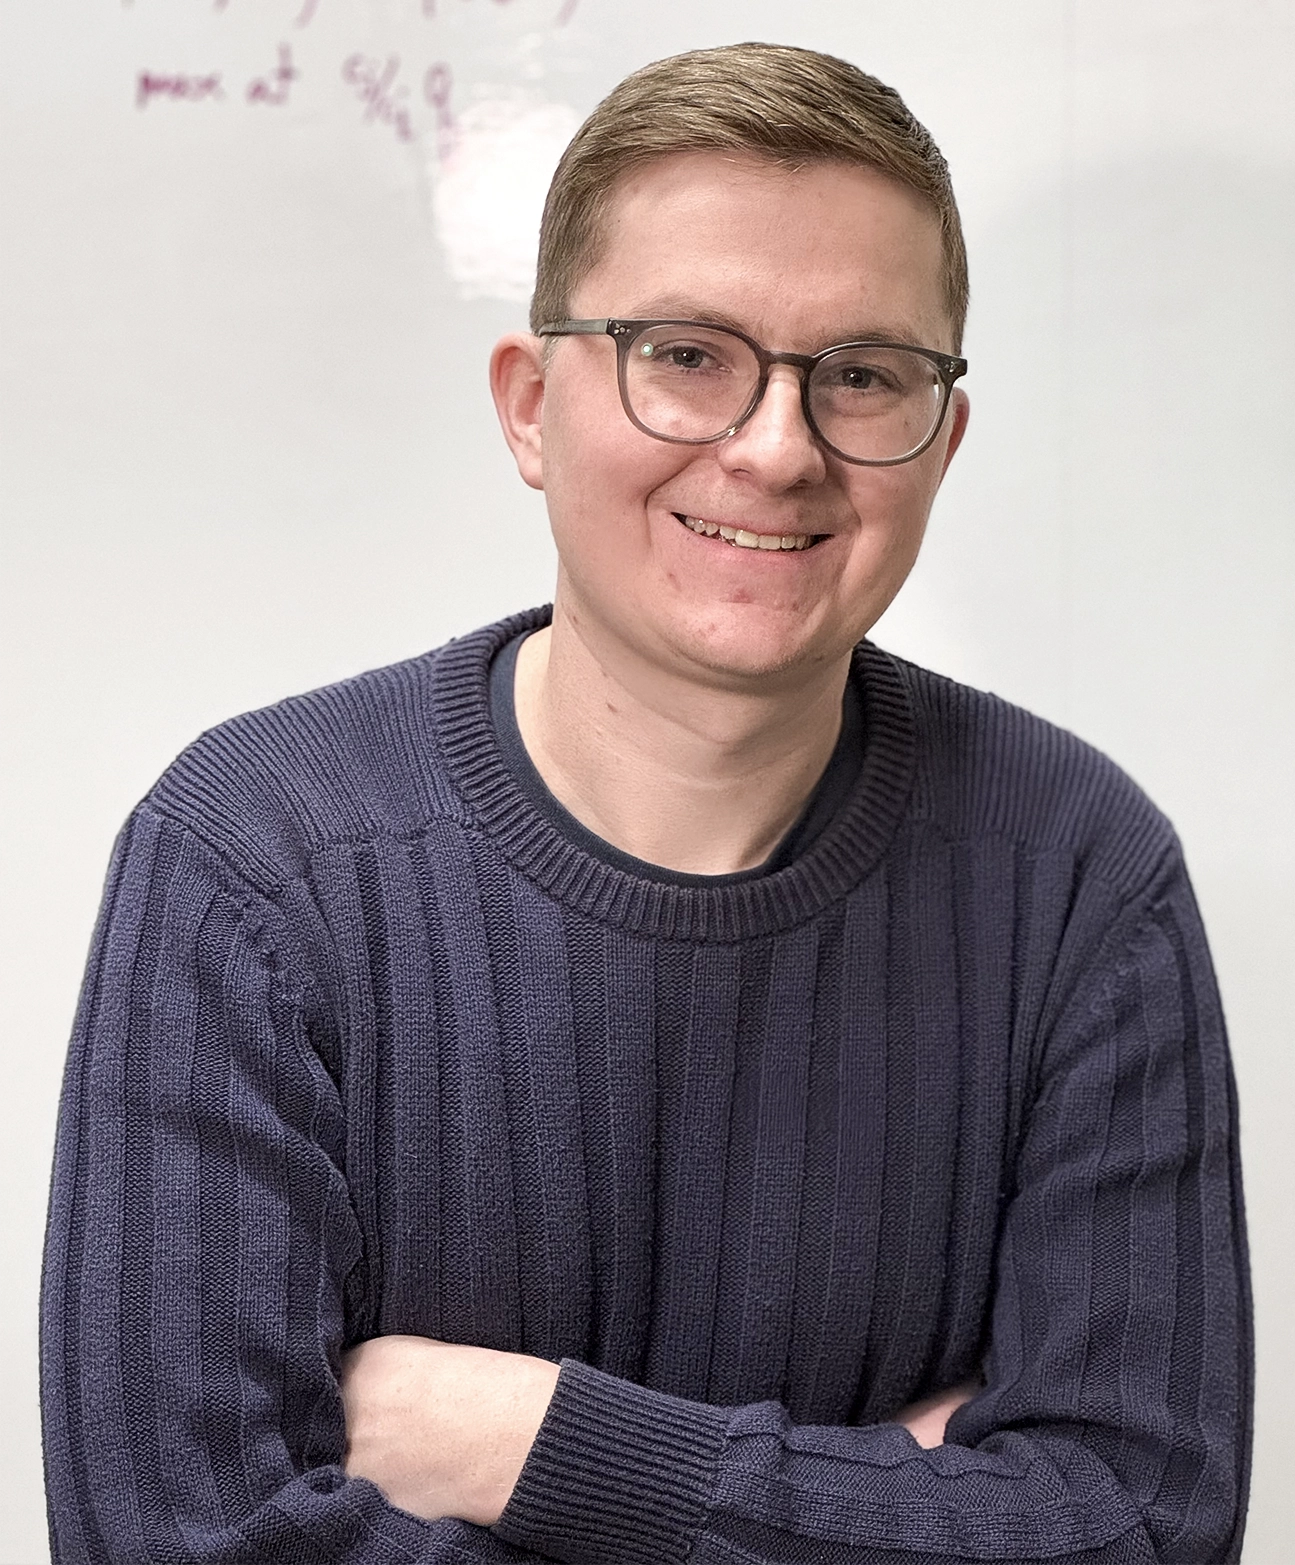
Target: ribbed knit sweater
column 367, row 1046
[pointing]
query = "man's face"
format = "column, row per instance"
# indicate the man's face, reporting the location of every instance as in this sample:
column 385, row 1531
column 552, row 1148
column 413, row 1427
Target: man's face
column 799, row 261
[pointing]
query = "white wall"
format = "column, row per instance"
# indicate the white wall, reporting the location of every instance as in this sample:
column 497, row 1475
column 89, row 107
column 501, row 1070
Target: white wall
column 249, row 448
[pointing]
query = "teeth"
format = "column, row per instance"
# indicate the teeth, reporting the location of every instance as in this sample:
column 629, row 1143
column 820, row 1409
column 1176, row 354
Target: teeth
column 742, row 539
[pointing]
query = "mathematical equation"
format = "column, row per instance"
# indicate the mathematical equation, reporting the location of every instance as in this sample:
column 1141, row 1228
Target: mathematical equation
column 387, row 91
column 272, row 88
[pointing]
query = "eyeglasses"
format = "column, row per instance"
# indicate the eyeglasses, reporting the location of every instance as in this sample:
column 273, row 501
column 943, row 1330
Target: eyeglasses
column 872, row 403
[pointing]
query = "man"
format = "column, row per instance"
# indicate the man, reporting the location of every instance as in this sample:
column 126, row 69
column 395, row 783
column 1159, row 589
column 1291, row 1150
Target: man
column 816, row 1059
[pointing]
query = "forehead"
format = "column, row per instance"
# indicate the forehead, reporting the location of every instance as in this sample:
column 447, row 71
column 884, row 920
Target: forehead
column 799, row 257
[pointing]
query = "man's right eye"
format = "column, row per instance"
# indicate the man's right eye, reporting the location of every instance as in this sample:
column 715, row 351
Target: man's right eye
column 677, row 355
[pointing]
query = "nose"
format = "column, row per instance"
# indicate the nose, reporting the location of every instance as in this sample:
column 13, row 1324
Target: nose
column 775, row 446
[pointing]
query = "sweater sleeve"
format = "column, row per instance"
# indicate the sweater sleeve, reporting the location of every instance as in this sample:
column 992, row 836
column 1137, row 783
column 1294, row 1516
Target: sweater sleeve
column 1113, row 1426
column 200, row 1244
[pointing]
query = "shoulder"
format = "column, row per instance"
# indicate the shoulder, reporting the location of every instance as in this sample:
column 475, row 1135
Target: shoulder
column 269, row 789
column 984, row 767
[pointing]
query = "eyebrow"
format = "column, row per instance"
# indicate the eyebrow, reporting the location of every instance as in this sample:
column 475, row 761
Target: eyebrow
column 679, row 308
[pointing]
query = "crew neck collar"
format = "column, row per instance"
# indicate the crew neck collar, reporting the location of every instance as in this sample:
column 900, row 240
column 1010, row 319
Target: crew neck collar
column 729, row 911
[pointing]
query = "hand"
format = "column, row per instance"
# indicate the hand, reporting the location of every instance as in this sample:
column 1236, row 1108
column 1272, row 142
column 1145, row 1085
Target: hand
column 925, row 1420
column 442, row 1430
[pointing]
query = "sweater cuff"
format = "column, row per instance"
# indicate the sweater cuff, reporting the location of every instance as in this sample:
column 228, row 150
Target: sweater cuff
column 617, row 1475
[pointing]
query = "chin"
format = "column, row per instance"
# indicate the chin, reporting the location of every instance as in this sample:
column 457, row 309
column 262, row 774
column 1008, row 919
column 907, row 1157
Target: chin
column 741, row 647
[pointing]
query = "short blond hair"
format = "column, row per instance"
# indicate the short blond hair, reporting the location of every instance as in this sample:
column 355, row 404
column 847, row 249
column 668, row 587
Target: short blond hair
column 792, row 106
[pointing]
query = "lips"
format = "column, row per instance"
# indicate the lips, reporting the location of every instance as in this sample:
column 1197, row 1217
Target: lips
column 743, row 538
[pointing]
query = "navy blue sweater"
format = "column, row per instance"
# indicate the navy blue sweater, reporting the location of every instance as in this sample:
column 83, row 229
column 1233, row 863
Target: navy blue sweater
column 367, row 1045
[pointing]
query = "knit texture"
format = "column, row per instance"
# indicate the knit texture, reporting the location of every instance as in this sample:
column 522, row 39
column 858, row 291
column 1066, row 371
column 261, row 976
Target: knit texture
column 366, row 1046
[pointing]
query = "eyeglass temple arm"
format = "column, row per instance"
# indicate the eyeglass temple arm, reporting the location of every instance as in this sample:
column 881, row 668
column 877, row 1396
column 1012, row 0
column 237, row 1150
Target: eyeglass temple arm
column 575, row 328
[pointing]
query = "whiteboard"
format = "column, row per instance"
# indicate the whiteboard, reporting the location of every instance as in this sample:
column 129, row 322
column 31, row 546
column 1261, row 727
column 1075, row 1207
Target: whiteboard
column 255, row 253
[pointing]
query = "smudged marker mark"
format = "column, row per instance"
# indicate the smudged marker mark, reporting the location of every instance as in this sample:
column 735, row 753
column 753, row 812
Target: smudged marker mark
column 566, row 13
column 438, row 83
column 188, row 89
column 488, row 194
column 376, row 86
column 274, row 89
column 307, row 13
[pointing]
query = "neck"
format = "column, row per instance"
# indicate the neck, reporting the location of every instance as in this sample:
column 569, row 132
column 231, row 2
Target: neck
column 695, row 778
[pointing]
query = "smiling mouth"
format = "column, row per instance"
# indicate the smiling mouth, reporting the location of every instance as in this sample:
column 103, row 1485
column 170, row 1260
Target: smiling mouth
column 740, row 538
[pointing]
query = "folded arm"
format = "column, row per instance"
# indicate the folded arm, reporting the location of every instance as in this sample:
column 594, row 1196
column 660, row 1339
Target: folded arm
column 445, row 1430
column 1113, row 1425
column 203, row 1248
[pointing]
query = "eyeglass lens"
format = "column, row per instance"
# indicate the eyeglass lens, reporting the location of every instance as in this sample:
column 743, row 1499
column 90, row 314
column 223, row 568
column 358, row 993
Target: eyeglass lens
column 872, row 403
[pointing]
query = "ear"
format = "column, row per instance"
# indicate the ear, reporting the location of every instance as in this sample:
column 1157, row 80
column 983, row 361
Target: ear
column 959, row 413
column 517, row 385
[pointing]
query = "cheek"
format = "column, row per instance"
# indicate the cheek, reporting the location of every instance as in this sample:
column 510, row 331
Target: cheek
column 892, row 503
column 583, row 429
column 600, row 473
column 892, row 507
